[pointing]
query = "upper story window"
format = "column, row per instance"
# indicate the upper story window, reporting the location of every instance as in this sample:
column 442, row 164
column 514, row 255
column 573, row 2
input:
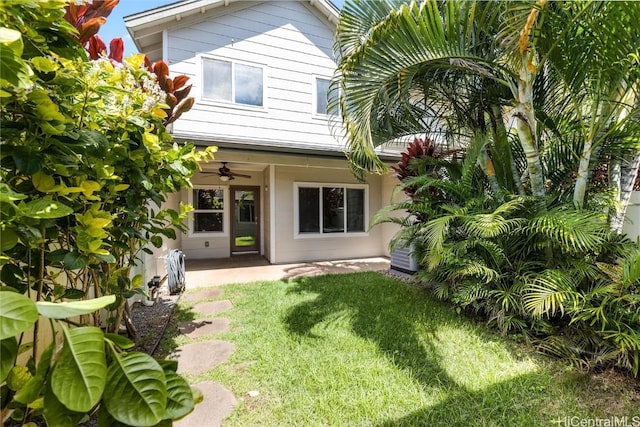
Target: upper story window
column 336, row 209
column 232, row 82
column 322, row 91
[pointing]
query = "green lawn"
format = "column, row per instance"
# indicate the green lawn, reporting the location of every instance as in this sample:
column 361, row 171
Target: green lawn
column 368, row 350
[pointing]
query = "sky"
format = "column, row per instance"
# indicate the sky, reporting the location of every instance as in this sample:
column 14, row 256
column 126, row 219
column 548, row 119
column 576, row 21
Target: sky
column 114, row 26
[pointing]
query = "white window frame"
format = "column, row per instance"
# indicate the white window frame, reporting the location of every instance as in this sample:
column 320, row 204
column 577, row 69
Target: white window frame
column 232, row 103
column 225, row 212
column 314, row 83
column 321, row 234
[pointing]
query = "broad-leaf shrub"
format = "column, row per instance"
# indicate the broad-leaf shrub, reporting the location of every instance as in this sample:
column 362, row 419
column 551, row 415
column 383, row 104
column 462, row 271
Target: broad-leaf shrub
column 85, row 166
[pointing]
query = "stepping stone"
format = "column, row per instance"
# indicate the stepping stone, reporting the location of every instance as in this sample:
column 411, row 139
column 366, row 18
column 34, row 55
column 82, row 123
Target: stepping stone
column 199, row 357
column 210, row 293
column 195, row 329
column 217, row 404
column 213, row 307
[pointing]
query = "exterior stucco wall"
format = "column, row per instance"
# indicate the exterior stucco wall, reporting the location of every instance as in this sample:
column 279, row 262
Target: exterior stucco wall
column 291, row 248
column 632, row 220
column 219, row 245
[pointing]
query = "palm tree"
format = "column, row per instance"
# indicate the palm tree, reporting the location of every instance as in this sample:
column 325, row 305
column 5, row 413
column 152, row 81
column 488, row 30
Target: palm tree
column 464, row 69
column 540, row 96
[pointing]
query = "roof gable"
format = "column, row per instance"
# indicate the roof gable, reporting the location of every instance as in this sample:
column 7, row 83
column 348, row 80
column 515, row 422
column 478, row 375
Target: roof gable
column 146, row 28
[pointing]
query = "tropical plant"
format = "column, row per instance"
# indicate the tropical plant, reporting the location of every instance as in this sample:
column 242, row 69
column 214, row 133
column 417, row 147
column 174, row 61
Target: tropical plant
column 521, row 229
column 90, row 373
column 85, row 166
column 552, row 272
column 457, row 70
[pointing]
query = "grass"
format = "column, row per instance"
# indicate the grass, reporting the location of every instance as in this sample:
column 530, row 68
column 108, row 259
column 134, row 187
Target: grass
column 368, row 350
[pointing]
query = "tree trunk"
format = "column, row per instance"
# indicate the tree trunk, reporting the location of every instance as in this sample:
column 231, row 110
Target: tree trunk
column 628, row 175
column 582, row 176
column 525, row 126
column 524, row 113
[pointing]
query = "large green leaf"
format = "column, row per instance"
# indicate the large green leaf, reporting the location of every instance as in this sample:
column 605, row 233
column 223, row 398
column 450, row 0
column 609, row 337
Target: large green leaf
column 75, row 260
column 8, row 353
column 62, row 310
column 136, row 391
column 8, row 195
column 17, row 314
column 122, row 342
column 78, row 377
column 8, row 239
column 179, row 396
column 58, row 415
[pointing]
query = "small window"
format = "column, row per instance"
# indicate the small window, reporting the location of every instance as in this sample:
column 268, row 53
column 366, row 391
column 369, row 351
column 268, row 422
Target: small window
column 322, row 91
column 208, row 215
column 330, row 209
column 232, row 82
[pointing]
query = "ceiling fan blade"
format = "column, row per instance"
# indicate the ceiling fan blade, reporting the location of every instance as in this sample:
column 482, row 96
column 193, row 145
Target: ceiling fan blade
column 241, row 175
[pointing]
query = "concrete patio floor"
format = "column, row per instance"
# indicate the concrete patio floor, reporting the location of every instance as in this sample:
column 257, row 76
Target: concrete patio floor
column 252, row 268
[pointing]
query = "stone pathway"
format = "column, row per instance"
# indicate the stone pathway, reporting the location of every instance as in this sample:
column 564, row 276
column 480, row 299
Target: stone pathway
column 201, row 356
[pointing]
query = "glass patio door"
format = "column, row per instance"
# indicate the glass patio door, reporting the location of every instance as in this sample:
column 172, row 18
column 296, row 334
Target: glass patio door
column 245, row 224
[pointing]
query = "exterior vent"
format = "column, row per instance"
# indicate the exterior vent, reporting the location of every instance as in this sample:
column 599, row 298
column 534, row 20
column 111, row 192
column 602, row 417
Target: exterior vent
column 402, row 260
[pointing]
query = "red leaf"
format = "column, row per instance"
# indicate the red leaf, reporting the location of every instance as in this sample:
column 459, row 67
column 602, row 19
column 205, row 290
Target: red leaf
column 147, row 64
column 184, row 106
column 96, row 47
column 90, row 28
column 169, row 83
column 171, row 100
column 116, row 48
column 179, row 81
column 161, row 70
column 74, row 14
column 182, row 93
column 100, row 8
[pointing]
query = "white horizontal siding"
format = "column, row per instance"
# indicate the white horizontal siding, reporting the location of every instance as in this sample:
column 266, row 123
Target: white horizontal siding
column 289, row 41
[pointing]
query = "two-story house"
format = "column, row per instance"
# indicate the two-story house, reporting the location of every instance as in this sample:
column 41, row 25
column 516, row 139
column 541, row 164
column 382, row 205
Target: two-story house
column 280, row 185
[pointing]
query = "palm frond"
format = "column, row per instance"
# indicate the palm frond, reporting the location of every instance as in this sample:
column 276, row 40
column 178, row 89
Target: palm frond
column 572, row 230
column 492, row 253
column 631, row 269
column 376, row 57
column 549, row 293
column 469, row 292
column 475, row 269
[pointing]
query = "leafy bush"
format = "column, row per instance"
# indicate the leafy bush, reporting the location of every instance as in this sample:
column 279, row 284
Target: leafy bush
column 555, row 273
column 86, row 163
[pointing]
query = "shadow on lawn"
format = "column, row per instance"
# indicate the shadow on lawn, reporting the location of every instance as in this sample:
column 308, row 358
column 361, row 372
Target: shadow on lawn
column 379, row 315
column 404, row 322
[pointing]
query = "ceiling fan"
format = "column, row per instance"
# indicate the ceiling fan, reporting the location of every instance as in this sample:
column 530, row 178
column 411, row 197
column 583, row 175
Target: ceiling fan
column 225, row 173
